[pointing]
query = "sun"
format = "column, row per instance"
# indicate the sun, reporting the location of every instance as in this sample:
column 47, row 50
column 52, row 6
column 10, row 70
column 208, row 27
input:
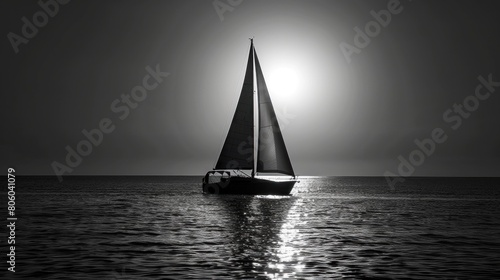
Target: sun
column 284, row 85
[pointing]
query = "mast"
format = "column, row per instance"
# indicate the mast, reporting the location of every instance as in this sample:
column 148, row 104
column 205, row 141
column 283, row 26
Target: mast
column 255, row 115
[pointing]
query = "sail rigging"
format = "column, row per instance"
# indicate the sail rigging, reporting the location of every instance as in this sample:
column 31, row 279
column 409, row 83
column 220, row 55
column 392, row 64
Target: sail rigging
column 239, row 150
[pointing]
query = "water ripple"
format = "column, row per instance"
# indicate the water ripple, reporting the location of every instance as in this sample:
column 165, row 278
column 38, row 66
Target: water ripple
column 351, row 228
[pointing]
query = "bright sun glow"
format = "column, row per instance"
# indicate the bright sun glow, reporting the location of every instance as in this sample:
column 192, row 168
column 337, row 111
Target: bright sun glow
column 283, row 85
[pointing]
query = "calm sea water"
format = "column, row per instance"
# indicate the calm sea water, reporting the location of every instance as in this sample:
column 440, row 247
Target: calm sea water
column 330, row 228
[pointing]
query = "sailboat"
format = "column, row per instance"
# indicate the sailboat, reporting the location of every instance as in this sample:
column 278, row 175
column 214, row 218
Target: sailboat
column 253, row 144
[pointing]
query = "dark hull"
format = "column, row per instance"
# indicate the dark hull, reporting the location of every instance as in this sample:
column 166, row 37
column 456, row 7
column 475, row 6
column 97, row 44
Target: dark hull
column 250, row 186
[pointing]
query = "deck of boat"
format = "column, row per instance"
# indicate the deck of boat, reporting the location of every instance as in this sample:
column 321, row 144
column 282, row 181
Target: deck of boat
column 250, row 186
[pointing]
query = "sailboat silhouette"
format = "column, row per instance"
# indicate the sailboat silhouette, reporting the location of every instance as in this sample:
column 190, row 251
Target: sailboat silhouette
column 259, row 148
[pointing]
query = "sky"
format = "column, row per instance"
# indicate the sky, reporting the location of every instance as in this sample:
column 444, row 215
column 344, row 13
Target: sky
column 356, row 84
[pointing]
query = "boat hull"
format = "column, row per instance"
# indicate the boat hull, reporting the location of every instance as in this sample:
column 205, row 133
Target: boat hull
column 249, row 186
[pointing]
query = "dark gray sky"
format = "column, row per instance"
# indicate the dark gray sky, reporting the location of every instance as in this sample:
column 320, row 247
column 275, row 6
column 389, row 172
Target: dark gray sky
column 338, row 117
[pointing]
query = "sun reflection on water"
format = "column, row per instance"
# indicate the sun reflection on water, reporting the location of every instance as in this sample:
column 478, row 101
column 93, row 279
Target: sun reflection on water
column 287, row 259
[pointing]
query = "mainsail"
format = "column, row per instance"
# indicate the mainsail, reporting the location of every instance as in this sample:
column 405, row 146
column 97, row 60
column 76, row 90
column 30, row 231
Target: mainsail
column 272, row 154
column 238, row 149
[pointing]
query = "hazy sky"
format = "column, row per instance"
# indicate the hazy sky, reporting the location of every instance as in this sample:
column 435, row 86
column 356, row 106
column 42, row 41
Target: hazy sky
column 342, row 112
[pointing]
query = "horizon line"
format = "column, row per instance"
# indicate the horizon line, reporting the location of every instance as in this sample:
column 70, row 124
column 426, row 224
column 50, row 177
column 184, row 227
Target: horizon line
column 193, row 175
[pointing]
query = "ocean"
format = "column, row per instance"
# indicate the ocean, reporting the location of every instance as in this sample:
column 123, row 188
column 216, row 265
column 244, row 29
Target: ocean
column 132, row 227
